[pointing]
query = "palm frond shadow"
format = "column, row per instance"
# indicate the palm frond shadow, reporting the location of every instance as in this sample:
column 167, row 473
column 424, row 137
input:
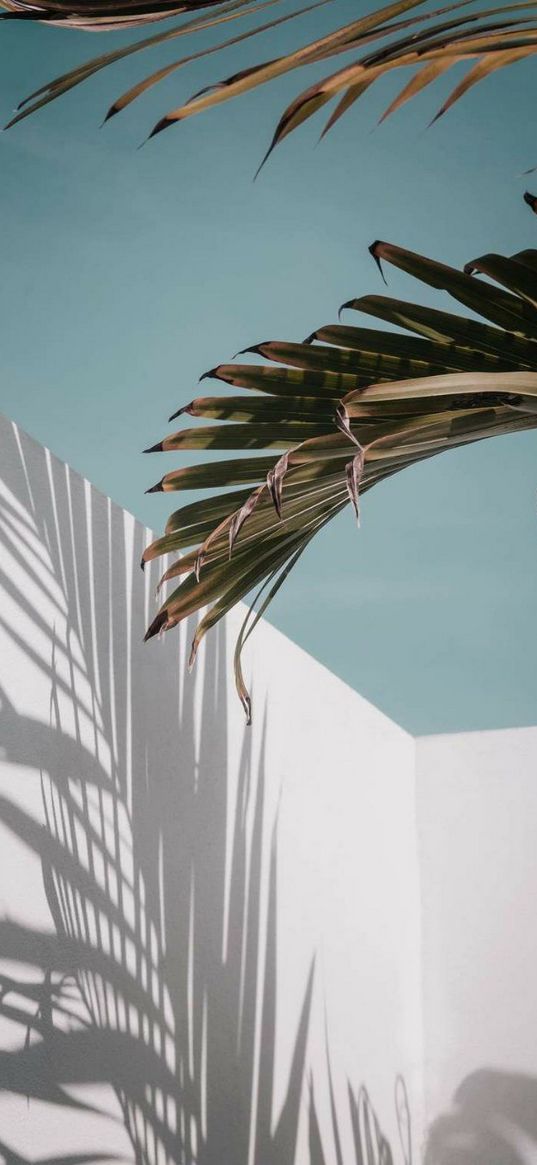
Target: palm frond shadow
column 12, row 1158
column 493, row 1121
column 156, row 982
column 369, row 1143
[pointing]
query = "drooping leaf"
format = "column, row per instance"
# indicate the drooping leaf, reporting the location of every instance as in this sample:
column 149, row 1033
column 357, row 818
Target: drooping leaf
column 344, row 410
column 400, row 35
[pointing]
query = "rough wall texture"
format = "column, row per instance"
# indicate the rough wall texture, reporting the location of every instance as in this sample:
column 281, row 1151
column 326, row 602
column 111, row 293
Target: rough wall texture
column 209, row 935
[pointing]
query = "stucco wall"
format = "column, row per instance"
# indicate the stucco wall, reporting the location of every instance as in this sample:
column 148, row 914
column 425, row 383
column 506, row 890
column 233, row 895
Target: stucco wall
column 208, row 933
column 477, row 835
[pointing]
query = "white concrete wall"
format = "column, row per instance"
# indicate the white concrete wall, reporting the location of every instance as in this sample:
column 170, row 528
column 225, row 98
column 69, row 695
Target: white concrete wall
column 209, row 934
column 169, row 878
column 477, row 828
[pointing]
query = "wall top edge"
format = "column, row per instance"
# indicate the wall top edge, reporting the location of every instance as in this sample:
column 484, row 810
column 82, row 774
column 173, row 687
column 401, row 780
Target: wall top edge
column 473, row 734
column 268, row 628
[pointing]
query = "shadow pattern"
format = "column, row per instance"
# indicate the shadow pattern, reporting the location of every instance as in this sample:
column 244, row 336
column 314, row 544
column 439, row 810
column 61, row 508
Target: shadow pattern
column 493, row 1121
column 158, row 977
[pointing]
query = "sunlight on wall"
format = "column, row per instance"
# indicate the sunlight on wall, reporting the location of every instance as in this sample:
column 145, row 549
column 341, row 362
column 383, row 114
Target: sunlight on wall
column 210, row 935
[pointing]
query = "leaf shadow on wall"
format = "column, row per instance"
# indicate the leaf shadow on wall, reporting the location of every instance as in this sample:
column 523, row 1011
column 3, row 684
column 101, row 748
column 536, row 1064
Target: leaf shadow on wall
column 370, row 1146
column 160, row 978
column 493, row 1121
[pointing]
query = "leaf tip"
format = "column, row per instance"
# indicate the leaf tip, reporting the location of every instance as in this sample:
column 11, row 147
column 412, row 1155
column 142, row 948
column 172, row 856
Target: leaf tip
column 211, row 374
column 158, row 625
column 193, row 651
column 344, row 307
column 437, row 116
column 164, row 123
column 274, row 481
column 253, row 350
column 353, row 472
column 111, row 112
column 273, row 143
column 375, row 250
column 179, row 412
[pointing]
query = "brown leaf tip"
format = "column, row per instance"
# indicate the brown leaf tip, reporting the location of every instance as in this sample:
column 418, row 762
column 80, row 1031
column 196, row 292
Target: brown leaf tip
column 375, row 250
column 164, row 123
column 193, row 653
column 247, row 705
column 158, row 624
column 110, row 113
column 274, row 481
column 353, row 472
column 183, row 409
column 154, row 448
column 531, row 200
column 156, row 489
column 255, row 349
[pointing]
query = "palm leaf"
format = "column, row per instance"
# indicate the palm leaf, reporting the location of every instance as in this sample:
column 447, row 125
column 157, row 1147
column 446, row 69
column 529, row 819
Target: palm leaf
column 340, row 417
column 400, row 35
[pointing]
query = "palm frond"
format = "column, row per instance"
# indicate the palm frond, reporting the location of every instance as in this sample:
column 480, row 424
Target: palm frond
column 428, row 43
column 340, row 412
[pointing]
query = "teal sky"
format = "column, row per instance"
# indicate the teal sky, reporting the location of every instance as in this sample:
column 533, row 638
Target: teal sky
column 127, row 273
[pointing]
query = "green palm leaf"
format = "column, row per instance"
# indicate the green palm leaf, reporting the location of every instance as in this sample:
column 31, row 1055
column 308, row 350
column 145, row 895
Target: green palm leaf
column 339, row 417
column 428, row 43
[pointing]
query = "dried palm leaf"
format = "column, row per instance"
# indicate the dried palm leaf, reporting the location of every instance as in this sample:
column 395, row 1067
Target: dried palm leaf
column 427, row 42
column 333, row 416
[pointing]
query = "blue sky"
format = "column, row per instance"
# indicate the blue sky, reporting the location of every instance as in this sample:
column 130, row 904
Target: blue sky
column 127, row 273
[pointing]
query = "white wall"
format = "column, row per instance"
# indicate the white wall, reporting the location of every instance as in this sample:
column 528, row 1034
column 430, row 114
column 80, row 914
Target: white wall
column 477, row 828
column 168, row 877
